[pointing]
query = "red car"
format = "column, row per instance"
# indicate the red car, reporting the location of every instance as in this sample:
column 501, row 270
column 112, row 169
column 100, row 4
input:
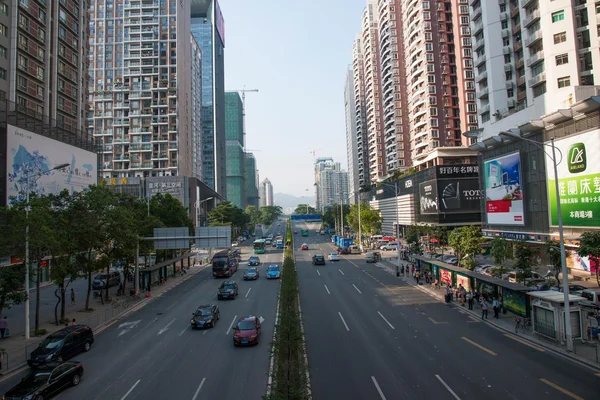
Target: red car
column 247, row 331
column 304, row 247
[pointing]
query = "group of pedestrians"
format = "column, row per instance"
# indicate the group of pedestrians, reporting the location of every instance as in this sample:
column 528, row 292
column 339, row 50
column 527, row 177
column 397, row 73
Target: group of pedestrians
column 475, row 299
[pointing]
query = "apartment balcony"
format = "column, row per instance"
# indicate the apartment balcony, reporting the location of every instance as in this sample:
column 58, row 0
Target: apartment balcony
column 481, row 76
column 537, row 80
column 531, row 18
column 484, row 109
column 514, row 12
column 520, row 63
column 477, row 27
column 525, row 3
column 479, row 43
column 476, row 12
column 521, row 80
column 518, row 45
column 533, row 38
column 478, row 59
column 516, row 29
column 483, row 93
column 536, row 58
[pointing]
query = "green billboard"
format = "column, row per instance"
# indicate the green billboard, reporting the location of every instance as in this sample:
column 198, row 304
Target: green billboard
column 578, row 180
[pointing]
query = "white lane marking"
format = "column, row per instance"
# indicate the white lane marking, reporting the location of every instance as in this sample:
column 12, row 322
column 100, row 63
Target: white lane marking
column 356, row 288
column 344, row 321
column 130, row 390
column 231, row 325
column 447, row 387
column 204, row 333
column 318, row 273
column 378, row 388
column 248, row 293
column 326, row 288
column 341, row 272
column 388, row 322
column 199, row 388
column 163, row 330
column 171, row 306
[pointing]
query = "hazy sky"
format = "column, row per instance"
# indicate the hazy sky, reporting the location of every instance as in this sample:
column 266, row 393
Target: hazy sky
column 295, row 52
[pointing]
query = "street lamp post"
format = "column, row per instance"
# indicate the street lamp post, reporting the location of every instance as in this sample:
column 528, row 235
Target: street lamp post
column 563, row 258
column 397, row 230
column 359, row 227
column 198, row 204
column 29, row 177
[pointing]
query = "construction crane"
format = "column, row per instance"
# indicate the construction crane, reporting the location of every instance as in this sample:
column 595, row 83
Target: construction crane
column 243, row 91
column 314, row 152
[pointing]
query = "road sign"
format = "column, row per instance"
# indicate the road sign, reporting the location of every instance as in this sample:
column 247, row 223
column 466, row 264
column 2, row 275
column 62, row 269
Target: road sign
column 213, row 237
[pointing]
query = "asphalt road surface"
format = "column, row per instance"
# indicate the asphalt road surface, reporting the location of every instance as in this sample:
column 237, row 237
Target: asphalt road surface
column 154, row 354
column 371, row 336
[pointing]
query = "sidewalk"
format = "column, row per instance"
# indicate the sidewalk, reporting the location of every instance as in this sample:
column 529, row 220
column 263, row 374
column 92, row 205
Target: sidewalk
column 16, row 349
column 586, row 352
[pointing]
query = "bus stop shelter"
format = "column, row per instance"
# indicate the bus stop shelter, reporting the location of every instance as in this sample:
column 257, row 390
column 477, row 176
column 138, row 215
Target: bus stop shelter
column 153, row 275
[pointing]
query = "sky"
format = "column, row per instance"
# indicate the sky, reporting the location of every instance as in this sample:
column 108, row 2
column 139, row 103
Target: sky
column 296, row 54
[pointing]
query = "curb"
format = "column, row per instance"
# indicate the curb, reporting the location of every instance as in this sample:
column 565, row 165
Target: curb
column 548, row 347
column 106, row 324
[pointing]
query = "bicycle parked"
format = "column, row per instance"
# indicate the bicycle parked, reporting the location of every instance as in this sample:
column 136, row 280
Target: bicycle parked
column 524, row 324
column 120, row 303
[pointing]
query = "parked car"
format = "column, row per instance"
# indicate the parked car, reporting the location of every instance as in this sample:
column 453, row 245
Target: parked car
column 205, row 316
column 227, row 290
column 480, row 268
column 389, row 247
column 113, row 278
column 318, row 259
column 61, row 345
column 273, row 272
column 235, row 244
column 42, row 384
column 247, row 331
column 251, row 274
column 333, row 257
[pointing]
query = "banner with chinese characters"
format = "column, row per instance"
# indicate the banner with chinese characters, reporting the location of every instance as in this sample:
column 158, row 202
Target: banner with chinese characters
column 578, row 180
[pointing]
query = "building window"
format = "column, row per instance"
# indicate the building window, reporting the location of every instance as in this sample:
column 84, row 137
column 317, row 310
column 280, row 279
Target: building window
column 2, row 52
column 539, row 90
column 62, row 15
column 42, row 16
column 22, row 82
column 4, row 9
column 22, row 62
column 3, row 30
column 2, row 74
column 565, row 81
column 562, row 59
column 558, row 16
column 560, row 37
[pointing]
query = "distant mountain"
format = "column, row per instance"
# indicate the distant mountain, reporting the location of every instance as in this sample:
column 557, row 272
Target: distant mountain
column 287, row 201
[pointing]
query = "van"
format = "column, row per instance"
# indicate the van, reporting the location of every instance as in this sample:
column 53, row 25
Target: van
column 592, row 298
column 355, row 249
column 372, row 256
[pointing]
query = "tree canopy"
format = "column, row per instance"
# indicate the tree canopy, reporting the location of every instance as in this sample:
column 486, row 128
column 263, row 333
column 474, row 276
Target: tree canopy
column 304, row 209
column 370, row 220
column 589, row 246
column 466, row 242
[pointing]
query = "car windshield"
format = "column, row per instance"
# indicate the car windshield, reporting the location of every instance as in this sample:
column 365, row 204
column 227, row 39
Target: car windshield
column 100, row 277
column 253, row 259
column 333, row 254
column 204, row 312
column 52, row 342
column 246, row 325
column 227, row 287
column 38, row 376
column 251, row 271
column 220, row 262
column 273, row 268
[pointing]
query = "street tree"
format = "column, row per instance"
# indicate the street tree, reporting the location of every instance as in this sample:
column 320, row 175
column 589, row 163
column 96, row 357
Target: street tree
column 225, row 213
column 589, row 246
column 370, row 220
column 523, row 259
column 553, row 251
column 466, row 242
column 332, row 215
column 501, row 250
column 304, row 209
column 412, row 239
column 254, row 215
column 168, row 210
column 11, row 286
column 269, row 214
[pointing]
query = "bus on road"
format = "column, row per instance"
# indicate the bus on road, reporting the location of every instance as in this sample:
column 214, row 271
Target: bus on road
column 224, row 264
column 259, row 246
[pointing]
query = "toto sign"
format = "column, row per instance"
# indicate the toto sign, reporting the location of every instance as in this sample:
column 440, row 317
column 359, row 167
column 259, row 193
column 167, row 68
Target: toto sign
column 460, row 195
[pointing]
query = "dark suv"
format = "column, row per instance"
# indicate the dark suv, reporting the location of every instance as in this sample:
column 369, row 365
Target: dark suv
column 318, row 259
column 62, row 345
column 253, row 261
column 227, row 290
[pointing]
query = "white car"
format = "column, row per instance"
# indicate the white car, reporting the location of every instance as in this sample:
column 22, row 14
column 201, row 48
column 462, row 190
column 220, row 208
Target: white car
column 234, row 244
column 333, row 257
column 389, row 247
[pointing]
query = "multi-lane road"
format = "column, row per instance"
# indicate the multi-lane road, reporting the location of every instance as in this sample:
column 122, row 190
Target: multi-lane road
column 371, row 336
column 154, row 354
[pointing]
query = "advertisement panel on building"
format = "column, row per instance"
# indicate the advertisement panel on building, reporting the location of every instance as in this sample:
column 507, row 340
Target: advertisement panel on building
column 503, row 190
column 578, row 181
column 428, row 197
column 220, row 22
column 173, row 185
column 460, row 195
column 33, row 155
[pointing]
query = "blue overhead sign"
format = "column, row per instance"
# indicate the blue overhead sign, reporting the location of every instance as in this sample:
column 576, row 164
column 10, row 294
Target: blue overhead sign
column 306, row 217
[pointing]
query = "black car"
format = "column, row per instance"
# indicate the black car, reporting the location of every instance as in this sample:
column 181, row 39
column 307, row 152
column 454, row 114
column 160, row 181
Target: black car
column 318, row 259
column 42, row 384
column 205, row 316
column 61, row 345
column 251, row 274
column 253, row 261
column 227, row 290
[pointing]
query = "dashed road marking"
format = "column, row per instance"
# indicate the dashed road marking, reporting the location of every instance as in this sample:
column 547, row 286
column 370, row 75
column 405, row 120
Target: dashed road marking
column 478, row 346
column 561, row 389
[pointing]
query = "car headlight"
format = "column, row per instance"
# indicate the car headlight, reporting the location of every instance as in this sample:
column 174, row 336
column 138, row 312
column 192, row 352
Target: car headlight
column 28, row 397
column 253, row 337
column 50, row 356
column 193, row 321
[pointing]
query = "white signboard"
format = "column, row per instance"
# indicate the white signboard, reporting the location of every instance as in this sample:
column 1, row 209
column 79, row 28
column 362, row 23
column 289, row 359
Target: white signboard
column 33, row 155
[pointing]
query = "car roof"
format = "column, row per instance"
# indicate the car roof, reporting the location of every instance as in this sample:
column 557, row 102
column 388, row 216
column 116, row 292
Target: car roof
column 248, row 318
column 253, row 256
column 318, row 255
column 65, row 331
column 274, row 265
column 228, row 283
column 205, row 306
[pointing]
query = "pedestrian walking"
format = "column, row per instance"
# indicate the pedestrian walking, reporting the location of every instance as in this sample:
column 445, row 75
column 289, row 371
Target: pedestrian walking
column 72, row 296
column 3, row 327
column 417, row 276
column 470, row 300
column 496, row 307
column 484, row 309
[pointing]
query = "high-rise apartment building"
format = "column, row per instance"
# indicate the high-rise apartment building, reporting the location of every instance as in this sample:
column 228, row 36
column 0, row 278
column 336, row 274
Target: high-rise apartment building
column 358, row 80
column 373, row 116
column 141, row 87
column 235, row 161
column 351, row 135
column 251, row 174
column 532, row 58
column 208, row 27
column 265, row 192
column 332, row 185
column 196, row 68
column 43, row 60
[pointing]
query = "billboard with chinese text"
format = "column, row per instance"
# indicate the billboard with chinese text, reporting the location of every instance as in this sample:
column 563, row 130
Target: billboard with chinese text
column 33, row 155
column 503, row 190
column 578, row 180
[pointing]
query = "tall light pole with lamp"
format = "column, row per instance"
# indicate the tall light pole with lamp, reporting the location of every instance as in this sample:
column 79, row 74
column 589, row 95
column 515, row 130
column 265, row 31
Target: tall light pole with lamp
column 29, row 178
column 198, row 204
column 396, row 194
column 563, row 258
